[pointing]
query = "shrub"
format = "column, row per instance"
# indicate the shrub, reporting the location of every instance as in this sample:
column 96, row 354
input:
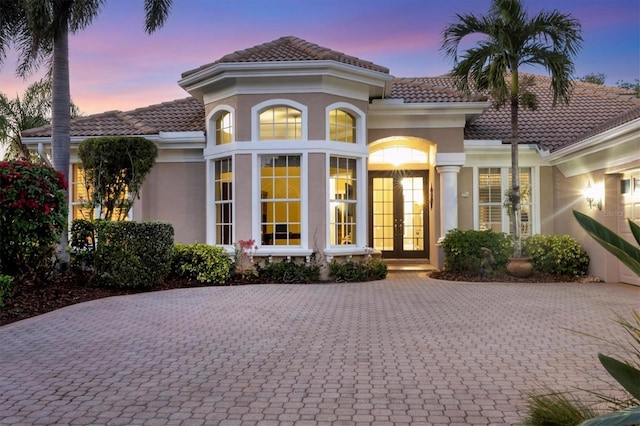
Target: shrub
column 132, row 254
column 115, row 168
column 205, row 263
column 6, row 288
column 288, row 272
column 33, row 214
column 556, row 254
column 462, row 249
column 358, row 271
column 83, row 244
column 557, row 409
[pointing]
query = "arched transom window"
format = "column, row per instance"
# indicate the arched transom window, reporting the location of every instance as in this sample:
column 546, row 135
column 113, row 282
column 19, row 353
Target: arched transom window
column 398, row 155
column 224, row 128
column 280, row 122
column 342, row 126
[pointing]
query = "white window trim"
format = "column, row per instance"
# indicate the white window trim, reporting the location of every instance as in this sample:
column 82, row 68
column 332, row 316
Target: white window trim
column 210, row 201
column 72, row 204
column 504, row 172
column 258, row 108
column 361, row 213
column 211, row 121
column 303, row 249
column 359, row 116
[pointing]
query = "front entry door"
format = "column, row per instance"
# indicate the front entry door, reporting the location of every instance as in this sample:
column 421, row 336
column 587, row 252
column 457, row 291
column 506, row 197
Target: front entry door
column 398, row 213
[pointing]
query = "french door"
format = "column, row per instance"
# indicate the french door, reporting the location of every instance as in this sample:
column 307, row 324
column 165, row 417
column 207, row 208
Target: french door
column 398, row 213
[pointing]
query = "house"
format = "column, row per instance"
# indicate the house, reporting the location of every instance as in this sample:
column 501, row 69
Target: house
column 308, row 150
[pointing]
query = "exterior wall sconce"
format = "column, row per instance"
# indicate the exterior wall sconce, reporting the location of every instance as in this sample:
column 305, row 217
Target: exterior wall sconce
column 593, row 197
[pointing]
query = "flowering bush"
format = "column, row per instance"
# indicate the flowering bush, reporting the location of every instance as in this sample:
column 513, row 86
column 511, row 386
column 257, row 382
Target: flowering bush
column 243, row 257
column 33, row 213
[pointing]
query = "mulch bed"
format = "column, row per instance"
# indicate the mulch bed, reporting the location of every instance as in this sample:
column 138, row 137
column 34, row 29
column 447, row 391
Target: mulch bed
column 504, row 277
column 68, row 288
column 32, row 299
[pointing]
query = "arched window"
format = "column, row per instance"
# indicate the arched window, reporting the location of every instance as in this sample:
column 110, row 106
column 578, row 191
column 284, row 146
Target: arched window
column 342, row 126
column 280, row 122
column 224, row 128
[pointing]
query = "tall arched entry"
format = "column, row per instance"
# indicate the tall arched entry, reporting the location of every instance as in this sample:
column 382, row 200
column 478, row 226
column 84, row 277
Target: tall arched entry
column 400, row 196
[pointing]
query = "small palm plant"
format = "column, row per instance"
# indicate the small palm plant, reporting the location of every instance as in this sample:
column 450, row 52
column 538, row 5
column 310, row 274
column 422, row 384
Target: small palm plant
column 612, row 242
column 559, row 409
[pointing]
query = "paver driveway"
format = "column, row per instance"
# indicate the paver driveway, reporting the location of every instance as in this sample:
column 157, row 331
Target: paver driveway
column 404, row 350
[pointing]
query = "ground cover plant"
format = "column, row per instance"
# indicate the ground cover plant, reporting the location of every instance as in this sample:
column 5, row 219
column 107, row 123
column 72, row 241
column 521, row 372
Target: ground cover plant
column 607, row 407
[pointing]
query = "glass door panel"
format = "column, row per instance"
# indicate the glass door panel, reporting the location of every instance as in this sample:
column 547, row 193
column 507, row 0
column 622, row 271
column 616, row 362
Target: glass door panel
column 398, row 214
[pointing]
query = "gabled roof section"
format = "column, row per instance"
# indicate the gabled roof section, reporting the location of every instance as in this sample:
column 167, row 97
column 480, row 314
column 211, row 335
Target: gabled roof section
column 592, row 109
column 182, row 115
column 289, row 48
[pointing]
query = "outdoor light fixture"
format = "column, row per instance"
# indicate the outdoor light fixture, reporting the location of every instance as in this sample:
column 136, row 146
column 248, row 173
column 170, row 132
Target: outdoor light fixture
column 593, row 197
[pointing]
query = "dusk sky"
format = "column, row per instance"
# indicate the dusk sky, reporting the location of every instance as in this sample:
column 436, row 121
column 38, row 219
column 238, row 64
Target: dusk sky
column 114, row 64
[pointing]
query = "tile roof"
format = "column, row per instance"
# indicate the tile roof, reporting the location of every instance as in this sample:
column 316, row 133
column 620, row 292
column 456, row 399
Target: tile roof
column 592, row 109
column 289, row 48
column 181, row 115
column 421, row 90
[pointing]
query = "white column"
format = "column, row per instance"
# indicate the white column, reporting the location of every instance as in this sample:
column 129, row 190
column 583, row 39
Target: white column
column 448, row 198
column 448, row 166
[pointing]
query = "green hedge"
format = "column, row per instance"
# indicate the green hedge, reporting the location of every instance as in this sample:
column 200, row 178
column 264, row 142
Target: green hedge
column 205, row 263
column 358, row 271
column 288, row 272
column 6, row 288
column 462, row 249
column 556, row 254
column 132, row 254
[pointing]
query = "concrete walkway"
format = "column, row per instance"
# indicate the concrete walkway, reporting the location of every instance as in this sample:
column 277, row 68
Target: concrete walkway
column 406, row 350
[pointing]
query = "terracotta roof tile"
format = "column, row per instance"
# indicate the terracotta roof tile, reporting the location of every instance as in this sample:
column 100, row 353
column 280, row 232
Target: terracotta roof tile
column 420, row 90
column 591, row 109
column 289, row 48
column 180, row 115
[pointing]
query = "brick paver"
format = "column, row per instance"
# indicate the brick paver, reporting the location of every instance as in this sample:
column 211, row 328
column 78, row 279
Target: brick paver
column 406, row 350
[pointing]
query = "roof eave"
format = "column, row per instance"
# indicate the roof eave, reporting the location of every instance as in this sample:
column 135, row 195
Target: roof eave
column 390, row 107
column 595, row 143
column 196, row 82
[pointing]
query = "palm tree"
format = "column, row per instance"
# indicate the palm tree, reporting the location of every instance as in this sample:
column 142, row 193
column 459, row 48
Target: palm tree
column 511, row 39
column 31, row 110
column 40, row 31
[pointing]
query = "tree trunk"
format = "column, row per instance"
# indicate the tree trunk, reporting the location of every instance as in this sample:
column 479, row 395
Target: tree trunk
column 515, row 168
column 61, row 119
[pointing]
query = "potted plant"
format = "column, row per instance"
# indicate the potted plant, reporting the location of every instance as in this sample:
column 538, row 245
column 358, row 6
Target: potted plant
column 519, row 265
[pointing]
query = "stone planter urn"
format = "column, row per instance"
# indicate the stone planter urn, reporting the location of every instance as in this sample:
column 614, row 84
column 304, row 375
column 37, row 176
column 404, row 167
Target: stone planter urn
column 520, row 267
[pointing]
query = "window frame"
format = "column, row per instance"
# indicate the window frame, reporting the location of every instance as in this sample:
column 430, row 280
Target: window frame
column 222, row 201
column 212, row 128
column 261, row 107
column 256, row 219
column 359, row 122
column 74, row 168
column 349, row 240
column 533, row 202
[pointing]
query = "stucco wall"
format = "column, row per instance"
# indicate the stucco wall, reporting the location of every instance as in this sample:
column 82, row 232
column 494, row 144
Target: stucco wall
column 447, row 140
column 317, row 202
column 315, row 102
column 465, row 203
column 175, row 193
column 242, row 176
column 547, row 201
column 568, row 197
